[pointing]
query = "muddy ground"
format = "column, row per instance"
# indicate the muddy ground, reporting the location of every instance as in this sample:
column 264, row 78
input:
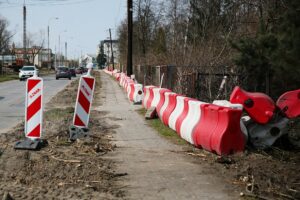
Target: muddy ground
column 78, row 170
column 61, row 170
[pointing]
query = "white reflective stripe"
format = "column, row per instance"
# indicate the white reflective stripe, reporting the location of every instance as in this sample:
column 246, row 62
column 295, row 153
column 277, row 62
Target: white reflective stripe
column 177, row 112
column 87, row 89
column 165, row 105
column 191, row 120
column 36, row 95
column 33, row 122
column 82, row 114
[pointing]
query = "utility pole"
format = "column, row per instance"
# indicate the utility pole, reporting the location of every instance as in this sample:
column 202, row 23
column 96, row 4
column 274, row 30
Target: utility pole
column 24, row 34
column 129, row 50
column 66, row 46
column 112, row 52
column 49, row 62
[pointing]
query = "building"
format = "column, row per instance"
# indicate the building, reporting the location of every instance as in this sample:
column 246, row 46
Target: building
column 107, row 50
column 36, row 55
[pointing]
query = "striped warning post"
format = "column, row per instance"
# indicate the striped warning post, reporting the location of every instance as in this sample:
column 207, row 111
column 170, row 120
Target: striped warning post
column 84, row 101
column 34, row 111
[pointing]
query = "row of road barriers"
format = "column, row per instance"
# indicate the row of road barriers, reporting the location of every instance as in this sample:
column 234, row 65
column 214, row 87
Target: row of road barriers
column 134, row 90
column 34, row 111
column 219, row 126
column 211, row 127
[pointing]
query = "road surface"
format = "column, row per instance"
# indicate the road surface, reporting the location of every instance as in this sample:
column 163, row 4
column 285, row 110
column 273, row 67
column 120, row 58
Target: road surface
column 12, row 99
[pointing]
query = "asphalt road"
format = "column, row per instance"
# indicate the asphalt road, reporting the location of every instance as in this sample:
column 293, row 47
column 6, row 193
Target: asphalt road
column 12, row 99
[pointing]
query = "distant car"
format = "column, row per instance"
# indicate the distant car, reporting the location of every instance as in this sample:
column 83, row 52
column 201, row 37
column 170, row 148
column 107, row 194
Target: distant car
column 78, row 71
column 73, row 72
column 27, row 71
column 63, row 72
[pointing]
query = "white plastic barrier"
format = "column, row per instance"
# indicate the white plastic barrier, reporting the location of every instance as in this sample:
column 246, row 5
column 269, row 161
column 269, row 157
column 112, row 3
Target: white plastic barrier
column 138, row 94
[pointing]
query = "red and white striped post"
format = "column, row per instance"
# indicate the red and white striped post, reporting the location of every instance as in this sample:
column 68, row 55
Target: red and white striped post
column 34, row 107
column 33, row 115
column 84, row 99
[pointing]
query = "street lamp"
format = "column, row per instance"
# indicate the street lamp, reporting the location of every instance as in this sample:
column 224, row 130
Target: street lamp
column 49, row 61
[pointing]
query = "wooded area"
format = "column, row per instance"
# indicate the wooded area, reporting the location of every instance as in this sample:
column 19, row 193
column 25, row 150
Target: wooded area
column 257, row 41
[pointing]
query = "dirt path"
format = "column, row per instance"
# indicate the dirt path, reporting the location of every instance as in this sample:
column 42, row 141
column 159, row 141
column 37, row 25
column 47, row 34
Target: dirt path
column 156, row 168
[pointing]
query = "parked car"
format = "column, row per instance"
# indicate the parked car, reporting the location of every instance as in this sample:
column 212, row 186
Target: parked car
column 27, row 71
column 63, row 72
column 72, row 71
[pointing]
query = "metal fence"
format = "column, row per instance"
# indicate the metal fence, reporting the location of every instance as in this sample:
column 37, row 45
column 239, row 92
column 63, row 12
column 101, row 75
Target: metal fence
column 189, row 81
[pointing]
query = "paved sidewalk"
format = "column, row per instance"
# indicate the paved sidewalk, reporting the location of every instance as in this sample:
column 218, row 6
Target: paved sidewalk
column 155, row 170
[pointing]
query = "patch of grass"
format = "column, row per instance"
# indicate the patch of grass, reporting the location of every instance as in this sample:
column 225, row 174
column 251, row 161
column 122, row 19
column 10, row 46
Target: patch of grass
column 59, row 113
column 163, row 130
column 8, row 77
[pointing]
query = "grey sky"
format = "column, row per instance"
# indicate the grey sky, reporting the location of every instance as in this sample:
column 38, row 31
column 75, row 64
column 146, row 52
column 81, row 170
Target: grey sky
column 86, row 21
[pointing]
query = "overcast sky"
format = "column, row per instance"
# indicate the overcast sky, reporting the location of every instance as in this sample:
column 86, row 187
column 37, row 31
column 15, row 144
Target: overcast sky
column 86, row 22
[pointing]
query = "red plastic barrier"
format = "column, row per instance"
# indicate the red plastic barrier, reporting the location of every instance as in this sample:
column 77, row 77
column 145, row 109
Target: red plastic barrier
column 289, row 103
column 148, row 94
column 259, row 106
column 219, row 130
column 161, row 99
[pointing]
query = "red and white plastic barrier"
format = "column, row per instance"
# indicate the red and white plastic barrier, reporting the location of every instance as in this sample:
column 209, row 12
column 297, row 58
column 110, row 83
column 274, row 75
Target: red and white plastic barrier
column 168, row 107
column 148, row 96
column 34, row 107
column 135, row 93
column 190, row 121
column 215, row 128
column 176, row 112
column 156, row 96
column 84, row 100
column 161, row 108
column 161, row 99
column 219, row 130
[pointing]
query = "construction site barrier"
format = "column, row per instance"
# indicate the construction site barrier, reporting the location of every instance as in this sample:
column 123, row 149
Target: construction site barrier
column 179, row 106
column 289, row 103
column 156, row 96
column 135, row 93
column 161, row 108
column 168, row 107
column 259, row 106
column 148, row 92
column 191, row 120
column 219, row 130
column 161, row 100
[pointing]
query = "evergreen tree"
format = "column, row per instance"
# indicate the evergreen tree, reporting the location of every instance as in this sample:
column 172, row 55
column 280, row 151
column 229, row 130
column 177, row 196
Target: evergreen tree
column 101, row 58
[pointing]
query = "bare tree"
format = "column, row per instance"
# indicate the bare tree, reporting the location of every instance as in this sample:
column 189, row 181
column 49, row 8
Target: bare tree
column 5, row 35
column 36, row 43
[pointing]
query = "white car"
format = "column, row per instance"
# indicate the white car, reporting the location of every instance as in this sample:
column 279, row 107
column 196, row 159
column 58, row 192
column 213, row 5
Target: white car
column 27, row 71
